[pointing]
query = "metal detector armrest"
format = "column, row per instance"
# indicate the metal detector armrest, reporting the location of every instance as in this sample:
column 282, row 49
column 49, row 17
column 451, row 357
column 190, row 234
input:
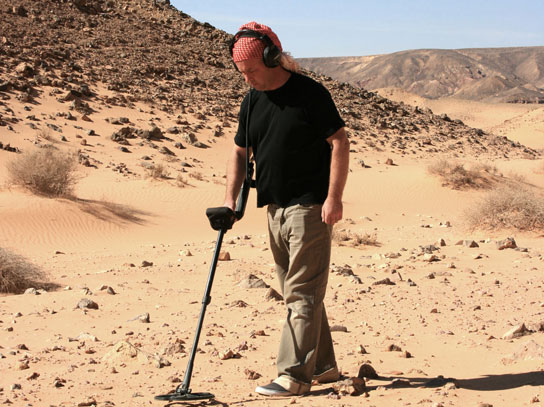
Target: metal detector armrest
column 221, row 218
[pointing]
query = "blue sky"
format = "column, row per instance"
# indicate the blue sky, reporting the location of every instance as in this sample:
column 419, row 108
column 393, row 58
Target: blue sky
column 355, row 28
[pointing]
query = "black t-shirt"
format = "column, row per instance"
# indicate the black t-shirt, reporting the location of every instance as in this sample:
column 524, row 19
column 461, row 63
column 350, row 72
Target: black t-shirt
column 288, row 128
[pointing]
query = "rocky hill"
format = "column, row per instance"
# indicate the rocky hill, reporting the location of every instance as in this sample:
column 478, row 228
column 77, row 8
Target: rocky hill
column 91, row 53
column 493, row 74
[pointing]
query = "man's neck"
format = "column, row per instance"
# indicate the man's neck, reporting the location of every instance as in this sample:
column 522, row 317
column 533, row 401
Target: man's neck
column 280, row 78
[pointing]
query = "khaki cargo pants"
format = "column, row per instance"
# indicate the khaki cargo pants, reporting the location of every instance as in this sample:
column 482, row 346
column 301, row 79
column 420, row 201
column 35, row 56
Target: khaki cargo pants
column 301, row 245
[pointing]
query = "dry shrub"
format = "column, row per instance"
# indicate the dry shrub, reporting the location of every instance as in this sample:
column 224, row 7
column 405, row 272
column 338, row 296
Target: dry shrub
column 17, row 274
column 196, row 175
column 509, row 206
column 344, row 237
column 157, row 171
column 181, row 182
column 46, row 171
column 456, row 176
column 45, row 134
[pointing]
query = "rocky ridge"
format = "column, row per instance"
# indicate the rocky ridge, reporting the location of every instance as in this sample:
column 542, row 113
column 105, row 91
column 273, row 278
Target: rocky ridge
column 147, row 51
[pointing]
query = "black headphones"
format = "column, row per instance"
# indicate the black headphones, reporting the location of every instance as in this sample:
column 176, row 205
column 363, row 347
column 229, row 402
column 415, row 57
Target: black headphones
column 271, row 53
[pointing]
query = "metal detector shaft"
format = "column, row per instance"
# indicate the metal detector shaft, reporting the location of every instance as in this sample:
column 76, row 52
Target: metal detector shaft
column 205, row 301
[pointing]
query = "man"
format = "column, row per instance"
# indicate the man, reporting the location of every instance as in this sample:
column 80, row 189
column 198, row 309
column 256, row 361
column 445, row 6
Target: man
column 301, row 152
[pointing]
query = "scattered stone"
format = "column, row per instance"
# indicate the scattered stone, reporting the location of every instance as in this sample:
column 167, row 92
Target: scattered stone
column 229, row 354
column 367, row 371
column 33, row 376
column 254, row 334
column 251, row 374
column 87, row 303
column 508, row 243
column 361, row 350
column 87, row 403
column 86, row 337
column 467, row 243
column 272, row 294
column 24, row 69
column 516, row 332
column 23, row 365
column 109, row 290
column 393, row 348
column 146, row 263
column 389, row 161
column 253, row 281
column 239, row 303
column 143, row 318
column 124, row 352
column 224, row 256
column 178, row 346
column 385, row 281
column 354, row 386
column 427, row 257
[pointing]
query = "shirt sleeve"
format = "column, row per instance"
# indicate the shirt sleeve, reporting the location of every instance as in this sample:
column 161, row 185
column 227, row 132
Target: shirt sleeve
column 323, row 112
column 240, row 137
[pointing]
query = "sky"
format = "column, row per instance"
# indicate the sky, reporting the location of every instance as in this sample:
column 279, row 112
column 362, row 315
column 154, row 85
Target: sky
column 322, row 28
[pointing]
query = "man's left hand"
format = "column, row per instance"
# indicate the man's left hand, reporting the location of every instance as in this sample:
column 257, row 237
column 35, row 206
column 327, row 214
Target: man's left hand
column 332, row 210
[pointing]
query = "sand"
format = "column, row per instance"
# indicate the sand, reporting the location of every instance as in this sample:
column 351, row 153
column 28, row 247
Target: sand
column 447, row 317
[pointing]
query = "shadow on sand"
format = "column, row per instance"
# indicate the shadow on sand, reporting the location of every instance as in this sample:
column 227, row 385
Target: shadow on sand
column 110, row 211
column 483, row 383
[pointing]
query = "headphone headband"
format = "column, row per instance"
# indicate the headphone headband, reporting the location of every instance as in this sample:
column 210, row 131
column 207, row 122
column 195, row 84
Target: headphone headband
column 271, row 52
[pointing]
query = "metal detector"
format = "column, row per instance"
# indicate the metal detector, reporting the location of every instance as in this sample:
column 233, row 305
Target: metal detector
column 221, row 219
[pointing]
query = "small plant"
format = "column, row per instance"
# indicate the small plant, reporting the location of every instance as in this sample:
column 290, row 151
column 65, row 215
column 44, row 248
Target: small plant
column 181, row 182
column 17, row 274
column 346, row 237
column 45, row 134
column 46, row 171
column 509, row 206
column 158, row 171
column 456, row 176
column 196, row 175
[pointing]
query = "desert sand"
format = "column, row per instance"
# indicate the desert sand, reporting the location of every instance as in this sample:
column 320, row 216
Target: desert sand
column 433, row 330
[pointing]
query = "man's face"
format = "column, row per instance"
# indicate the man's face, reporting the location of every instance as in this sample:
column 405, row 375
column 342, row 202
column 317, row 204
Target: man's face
column 256, row 74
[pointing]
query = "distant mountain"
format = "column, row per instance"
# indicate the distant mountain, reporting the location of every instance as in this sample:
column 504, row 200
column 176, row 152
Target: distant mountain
column 486, row 74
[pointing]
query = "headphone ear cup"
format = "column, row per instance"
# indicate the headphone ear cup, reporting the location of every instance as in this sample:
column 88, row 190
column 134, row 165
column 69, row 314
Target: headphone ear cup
column 271, row 56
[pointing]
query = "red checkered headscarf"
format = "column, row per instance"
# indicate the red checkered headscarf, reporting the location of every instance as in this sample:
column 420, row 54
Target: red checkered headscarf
column 249, row 47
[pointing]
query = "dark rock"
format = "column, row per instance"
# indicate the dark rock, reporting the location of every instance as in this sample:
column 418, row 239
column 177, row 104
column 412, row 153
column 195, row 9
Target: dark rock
column 86, row 303
column 367, row 371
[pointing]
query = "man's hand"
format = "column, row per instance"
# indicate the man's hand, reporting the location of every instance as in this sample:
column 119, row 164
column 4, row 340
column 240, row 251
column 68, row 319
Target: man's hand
column 332, row 211
column 332, row 207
